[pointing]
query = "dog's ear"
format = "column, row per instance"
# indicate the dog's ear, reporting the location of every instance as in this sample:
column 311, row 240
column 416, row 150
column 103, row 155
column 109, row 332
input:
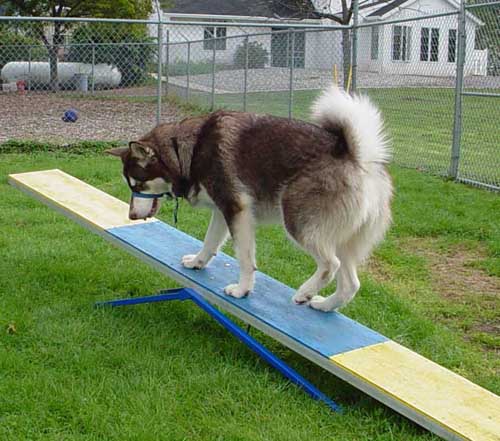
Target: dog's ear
column 139, row 150
column 117, row 151
column 183, row 140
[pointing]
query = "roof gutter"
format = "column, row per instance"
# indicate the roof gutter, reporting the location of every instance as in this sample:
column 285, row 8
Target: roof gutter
column 244, row 18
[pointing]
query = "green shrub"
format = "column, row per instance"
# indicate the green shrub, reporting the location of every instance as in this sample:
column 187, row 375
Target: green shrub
column 128, row 47
column 15, row 46
column 77, row 148
column 179, row 68
column 258, row 56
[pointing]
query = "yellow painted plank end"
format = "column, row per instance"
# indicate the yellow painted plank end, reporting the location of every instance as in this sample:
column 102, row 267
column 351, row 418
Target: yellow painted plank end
column 74, row 196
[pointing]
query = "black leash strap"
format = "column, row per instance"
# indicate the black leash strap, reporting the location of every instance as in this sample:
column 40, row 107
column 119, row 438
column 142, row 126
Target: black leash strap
column 176, row 211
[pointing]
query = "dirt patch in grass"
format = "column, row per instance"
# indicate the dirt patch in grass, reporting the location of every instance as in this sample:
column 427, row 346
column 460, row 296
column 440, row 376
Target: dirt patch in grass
column 37, row 116
column 453, row 270
column 470, row 296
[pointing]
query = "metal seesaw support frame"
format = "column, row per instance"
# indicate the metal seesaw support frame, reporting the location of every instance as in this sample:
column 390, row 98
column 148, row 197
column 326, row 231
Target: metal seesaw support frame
column 190, row 294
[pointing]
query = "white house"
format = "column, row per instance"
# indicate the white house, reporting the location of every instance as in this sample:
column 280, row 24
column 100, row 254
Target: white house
column 228, row 19
column 421, row 47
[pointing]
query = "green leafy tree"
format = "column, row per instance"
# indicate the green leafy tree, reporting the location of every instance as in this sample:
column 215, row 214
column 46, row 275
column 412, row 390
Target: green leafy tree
column 128, row 47
column 15, row 45
column 136, row 9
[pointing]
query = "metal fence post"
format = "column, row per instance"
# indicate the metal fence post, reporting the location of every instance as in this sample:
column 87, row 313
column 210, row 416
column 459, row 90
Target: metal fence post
column 457, row 123
column 354, row 54
column 93, row 68
column 291, row 46
column 29, row 68
column 167, row 60
column 245, row 77
column 188, row 69
column 212, row 98
column 160, row 71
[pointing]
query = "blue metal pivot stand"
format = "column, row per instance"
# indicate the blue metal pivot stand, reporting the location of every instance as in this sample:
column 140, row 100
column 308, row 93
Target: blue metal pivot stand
column 254, row 345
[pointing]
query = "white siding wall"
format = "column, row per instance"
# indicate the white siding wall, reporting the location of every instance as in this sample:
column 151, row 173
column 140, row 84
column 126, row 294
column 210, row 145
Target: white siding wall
column 385, row 63
column 323, row 49
column 181, row 33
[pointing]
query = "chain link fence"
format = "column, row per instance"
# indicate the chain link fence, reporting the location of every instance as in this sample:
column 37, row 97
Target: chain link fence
column 435, row 77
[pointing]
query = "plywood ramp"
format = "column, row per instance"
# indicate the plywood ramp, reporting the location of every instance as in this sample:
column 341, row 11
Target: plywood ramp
column 432, row 396
column 64, row 192
column 458, row 405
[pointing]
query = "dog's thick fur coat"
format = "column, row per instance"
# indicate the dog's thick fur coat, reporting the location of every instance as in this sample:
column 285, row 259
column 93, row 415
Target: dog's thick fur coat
column 325, row 182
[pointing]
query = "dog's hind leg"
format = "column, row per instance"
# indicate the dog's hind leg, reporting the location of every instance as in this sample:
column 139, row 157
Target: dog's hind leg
column 217, row 234
column 306, row 226
column 351, row 254
column 327, row 267
column 347, row 287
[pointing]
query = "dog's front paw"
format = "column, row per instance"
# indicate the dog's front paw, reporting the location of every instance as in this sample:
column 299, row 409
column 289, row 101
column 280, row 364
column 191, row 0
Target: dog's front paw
column 301, row 297
column 322, row 304
column 235, row 290
column 192, row 261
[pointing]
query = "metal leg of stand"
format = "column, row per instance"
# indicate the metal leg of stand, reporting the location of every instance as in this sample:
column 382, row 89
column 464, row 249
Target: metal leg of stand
column 254, row 345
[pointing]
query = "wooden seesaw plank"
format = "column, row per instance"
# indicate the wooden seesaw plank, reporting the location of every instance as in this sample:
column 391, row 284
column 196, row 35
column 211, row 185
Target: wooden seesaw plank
column 425, row 392
column 72, row 196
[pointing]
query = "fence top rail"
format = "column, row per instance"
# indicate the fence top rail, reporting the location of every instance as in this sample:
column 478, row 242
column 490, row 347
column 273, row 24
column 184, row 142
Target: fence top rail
column 239, row 24
column 77, row 19
column 257, row 25
column 245, row 35
column 170, row 22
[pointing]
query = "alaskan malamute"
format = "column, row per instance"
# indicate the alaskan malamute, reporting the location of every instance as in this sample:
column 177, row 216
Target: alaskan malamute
column 326, row 183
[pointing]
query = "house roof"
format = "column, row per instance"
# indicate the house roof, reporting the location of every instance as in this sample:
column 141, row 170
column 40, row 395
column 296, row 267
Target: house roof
column 292, row 9
column 388, row 7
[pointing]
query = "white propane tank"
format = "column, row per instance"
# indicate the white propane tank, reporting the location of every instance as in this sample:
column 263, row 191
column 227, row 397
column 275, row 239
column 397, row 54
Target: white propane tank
column 38, row 72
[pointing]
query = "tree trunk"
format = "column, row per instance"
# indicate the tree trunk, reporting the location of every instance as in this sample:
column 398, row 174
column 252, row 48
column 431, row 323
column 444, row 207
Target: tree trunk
column 346, row 55
column 54, row 81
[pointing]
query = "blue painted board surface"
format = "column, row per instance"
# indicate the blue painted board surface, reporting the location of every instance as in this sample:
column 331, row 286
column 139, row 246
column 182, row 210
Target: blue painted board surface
column 326, row 333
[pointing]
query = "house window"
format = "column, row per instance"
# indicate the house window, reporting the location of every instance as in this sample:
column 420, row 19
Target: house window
column 374, row 46
column 429, row 44
column 424, row 44
column 401, row 36
column 210, row 33
column 434, row 44
column 452, row 45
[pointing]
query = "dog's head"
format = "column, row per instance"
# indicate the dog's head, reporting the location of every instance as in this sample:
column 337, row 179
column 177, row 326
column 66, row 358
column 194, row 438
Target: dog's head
column 158, row 164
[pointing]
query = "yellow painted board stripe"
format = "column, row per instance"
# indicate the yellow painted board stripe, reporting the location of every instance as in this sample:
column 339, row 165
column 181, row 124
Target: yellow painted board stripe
column 76, row 197
column 460, row 406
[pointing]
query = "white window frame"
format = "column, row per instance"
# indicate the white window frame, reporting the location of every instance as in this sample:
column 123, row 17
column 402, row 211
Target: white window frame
column 375, row 42
column 404, row 44
column 209, row 41
column 456, row 48
column 429, row 51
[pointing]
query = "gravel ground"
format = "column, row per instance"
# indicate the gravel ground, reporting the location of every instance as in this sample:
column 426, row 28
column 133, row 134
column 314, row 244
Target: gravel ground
column 278, row 79
column 37, row 116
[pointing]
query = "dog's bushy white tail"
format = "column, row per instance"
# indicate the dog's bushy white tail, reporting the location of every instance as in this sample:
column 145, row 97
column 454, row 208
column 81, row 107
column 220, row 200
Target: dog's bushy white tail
column 360, row 121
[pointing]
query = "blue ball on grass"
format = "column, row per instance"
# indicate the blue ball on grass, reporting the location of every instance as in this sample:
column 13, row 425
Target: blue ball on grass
column 70, row 115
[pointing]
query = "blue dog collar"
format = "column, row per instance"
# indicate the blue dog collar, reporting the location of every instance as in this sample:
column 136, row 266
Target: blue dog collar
column 167, row 194
column 137, row 194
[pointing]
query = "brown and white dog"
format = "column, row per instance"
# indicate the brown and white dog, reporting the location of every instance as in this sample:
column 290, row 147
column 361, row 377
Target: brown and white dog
column 325, row 182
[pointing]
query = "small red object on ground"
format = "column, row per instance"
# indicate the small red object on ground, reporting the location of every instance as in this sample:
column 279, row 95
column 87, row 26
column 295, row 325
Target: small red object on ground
column 21, row 87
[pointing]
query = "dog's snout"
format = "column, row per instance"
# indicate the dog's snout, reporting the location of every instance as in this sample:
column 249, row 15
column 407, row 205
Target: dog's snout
column 133, row 215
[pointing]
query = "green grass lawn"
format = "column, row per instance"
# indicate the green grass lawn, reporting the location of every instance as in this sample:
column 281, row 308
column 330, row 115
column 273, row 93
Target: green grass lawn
column 420, row 122
column 168, row 372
